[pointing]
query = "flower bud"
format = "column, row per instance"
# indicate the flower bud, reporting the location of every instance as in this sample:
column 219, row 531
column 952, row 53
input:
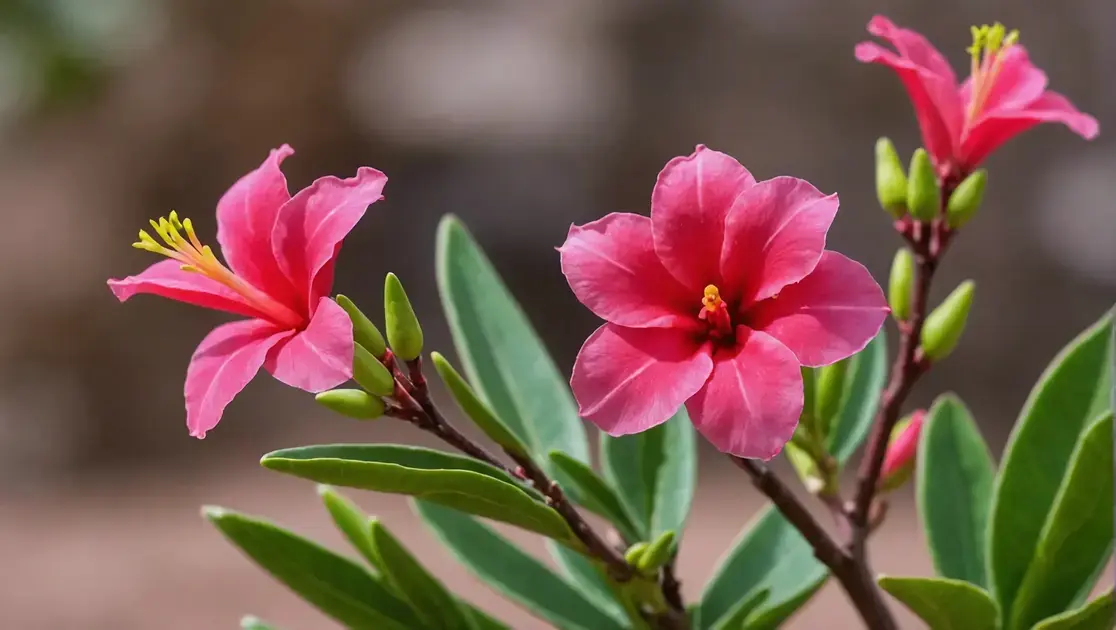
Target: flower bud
column 404, row 334
column 923, row 195
column 354, row 403
column 371, row 374
column 901, row 450
column 657, row 554
column 805, row 466
column 364, row 331
column 944, row 326
column 475, row 408
column 634, row 553
column 899, row 284
column 828, row 392
column 891, row 181
column 966, row 199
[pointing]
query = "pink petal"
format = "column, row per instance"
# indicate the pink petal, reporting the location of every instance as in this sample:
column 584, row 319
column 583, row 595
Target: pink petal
column 832, row 314
column 627, row 380
column 319, row 357
column 997, row 127
column 1018, row 83
column 913, row 46
column 166, row 278
column 225, row 361
column 688, row 208
column 245, row 218
column 309, row 228
column 612, row 268
column 751, row 404
column 774, row 236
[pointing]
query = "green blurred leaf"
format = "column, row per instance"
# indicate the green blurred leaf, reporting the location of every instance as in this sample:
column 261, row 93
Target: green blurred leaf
column 738, row 615
column 774, row 617
column 428, row 597
column 769, row 555
column 351, row 521
column 1077, row 538
column 502, row 355
column 863, row 384
column 1071, row 393
column 954, row 488
column 945, row 604
column 593, row 493
column 451, row 480
column 482, row 620
column 513, row 573
column 335, row 585
column 588, row 579
column 1097, row 615
column 255, row 623
column 473, row 407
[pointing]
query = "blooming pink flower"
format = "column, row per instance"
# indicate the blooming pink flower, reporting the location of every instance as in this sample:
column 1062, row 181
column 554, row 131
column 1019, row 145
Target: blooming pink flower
column 715, row 302
column 962, row 124
column 903, row 447
column 280, row 252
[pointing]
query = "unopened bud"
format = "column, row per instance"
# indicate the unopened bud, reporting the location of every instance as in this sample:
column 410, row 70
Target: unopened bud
column 634, row 553
column 658, row 553
column 966, row 199
column 364, row 331
column 475, row 408
column 371, row 374
column 828, row 392
column 891, row 181
column 805, row 466
column 944, row 326
column 354, row 403
column 923, row 195
column 404, row 334
column 899, row 284
column 901, row 450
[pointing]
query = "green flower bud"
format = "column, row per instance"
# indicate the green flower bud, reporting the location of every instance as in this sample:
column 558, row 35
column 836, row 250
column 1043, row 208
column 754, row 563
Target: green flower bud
column 371, row 374
column 891, row 181
column 364, row 331
column 634, row 553
column 354, row 403
column 944, row 326
column 966, row 199
column 403, row 330
column 923, row 195
column 899, row 284
column 829, row 391
column 658, row 553
column 475, row 408
column 805, row 466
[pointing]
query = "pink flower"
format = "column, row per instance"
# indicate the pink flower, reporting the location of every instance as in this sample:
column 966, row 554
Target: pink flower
column 902, row 448
column 715, row 302
column 962, row 124
column 280, row 252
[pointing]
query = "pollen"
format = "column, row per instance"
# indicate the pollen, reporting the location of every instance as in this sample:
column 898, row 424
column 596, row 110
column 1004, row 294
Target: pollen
column 990, row 43
column 712, row 300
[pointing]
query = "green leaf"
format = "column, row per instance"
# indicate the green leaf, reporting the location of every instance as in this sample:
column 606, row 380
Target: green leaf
column 502, row 355
column 863, row 384
column 588, row 579
column 513, row 573
column 945, row 604
column 451, row 480
column 736, row 618
column 255, row 623
column 654, row 474
column 1077, row 537
column 335, row 585
column 593, row 493
column 769, row 555
column 774, row 617
column 428, row 597
column 1099, row 614
column 351, row 521
column 482, row 620
column 468, row 401
column 954, row 488
column 1071, row 393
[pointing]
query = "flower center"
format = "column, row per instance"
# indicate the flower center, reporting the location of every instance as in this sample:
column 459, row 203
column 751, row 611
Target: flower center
column 990, row 45
column 181, row 243
column 715, row 314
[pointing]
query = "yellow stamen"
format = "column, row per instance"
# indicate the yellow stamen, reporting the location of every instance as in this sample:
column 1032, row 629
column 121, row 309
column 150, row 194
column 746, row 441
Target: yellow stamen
column 712, row 300
column 990, row 43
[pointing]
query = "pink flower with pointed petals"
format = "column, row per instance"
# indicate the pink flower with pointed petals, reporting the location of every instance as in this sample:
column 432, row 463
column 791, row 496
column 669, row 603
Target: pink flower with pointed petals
column 279, row 255
column 716, row 302
column 961, row 125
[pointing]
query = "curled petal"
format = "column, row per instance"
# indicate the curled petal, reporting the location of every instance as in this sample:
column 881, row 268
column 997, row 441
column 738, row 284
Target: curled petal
column 997, row 127
column 831, row 314
column 912, row 46
column 627, row 380
column 1018, row 83
column 751, row 404
column 319, row 357
column 167, row 279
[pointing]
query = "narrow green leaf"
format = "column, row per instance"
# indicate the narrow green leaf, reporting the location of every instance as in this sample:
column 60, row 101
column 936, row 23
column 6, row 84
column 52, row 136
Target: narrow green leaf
column 945, row 604
column 513, row 573
column 775, row 616
column 502, row 355
column 1099, row 614
column 588, row 579
column 738, row 615
column 593, row 493
column 954, row 488
column 482, row 620
column 1077, row 537
column 475, row 408
column 770, row 555
column 351, row 521
column 255, row 623
column 428, row 597
column 677, row 477
column 335, row 585
column 1071, row 393
column 451, row 480
column 863, row 384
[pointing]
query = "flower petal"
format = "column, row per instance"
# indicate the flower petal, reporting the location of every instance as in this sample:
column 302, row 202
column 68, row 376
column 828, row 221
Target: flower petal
column 627, row 380
column 245, row 218
column 831, row 314
column 997, row 127
column 309, row 228
column 167, row 279
column 1018, row 83
column 913, row 46
column 751, row 404
column 613, row 270
column 688, row 208
column 774, row 236
column 319, row 357
column 225, row 361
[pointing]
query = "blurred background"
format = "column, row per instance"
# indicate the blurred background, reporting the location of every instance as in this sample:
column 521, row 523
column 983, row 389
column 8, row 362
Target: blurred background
column 521, row 116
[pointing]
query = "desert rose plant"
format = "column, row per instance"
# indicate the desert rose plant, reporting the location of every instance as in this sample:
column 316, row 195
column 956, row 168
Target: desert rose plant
column 725, row 318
